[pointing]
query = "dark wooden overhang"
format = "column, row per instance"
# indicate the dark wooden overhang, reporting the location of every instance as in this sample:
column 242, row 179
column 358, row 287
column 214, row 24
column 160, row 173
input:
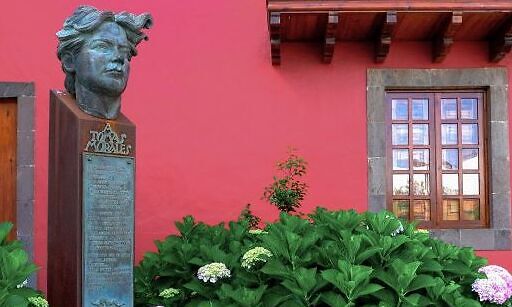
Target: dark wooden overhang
column 382, row 21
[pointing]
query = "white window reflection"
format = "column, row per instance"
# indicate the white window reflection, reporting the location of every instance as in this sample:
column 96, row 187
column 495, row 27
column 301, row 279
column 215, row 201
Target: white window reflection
column 400, row 184
column 420, row 134
column 470, row 184
column 400, row 134
column 420, row 159
column 448, row 134
column 420, row 109
column 448, row 108
column 421, row 184
column 399, row 109
column 469, row 133
column 469, row 108
column 450, row 183
column 470, row 158
column 400, row 159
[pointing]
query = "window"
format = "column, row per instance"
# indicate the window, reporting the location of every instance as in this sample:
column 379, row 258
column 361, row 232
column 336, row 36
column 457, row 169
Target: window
column 493, row 83
column 436, row 150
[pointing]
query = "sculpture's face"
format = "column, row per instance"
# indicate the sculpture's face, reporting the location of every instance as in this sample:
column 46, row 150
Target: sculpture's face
column 102, row 65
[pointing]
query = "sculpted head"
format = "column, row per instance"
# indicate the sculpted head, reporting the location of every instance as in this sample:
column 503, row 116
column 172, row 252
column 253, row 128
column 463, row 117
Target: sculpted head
column 95, row 48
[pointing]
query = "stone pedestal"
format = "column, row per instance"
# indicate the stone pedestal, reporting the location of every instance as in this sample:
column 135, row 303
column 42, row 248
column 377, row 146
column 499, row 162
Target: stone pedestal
column 90, row 207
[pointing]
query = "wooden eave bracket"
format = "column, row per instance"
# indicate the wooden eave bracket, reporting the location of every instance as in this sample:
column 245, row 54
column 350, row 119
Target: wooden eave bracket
column 444, row 40
column 501, row 44
column 331, row 28
column 383, row 43
column 274, row 28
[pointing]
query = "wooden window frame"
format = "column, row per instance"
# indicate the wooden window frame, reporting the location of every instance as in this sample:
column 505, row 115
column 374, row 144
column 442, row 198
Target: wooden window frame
column 434, row 146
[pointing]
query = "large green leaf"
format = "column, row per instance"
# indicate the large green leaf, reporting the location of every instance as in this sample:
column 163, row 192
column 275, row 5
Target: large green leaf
column 367, row 253
column 306, row 279
column 243, row 296
column 388, row 279
column 421, row 281
column 15, row 301
column 430, row 265
column 406, row 272
column 369, row 289
column 333, row 299
column 275, row 297
column 386, row 296
column 275, row 268
column 416, row 299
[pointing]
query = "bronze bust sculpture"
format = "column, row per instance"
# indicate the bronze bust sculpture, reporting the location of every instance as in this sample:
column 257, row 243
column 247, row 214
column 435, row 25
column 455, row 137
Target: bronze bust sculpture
column 95, row 48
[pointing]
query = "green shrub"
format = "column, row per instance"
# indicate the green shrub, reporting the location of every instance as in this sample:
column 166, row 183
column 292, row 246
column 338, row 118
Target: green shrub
column 15, row 268
column 287, row 191
column 338, row 258
column 247, row 215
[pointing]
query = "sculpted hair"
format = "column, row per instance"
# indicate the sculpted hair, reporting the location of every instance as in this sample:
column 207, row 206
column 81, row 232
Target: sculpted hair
column 85, row 20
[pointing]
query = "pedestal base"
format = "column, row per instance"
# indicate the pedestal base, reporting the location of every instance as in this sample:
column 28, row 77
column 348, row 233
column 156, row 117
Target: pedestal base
column 90, row 207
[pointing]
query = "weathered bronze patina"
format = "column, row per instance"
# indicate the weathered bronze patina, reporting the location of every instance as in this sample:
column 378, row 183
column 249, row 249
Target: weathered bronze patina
column 95, row 49
column 107, row 230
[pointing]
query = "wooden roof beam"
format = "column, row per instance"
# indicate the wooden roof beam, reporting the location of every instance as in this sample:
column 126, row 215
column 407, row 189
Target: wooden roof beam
column 389, row 5
column 501, row 44
column 274, row 28
column 331, row 28
column 384, row 38
column 444, row 40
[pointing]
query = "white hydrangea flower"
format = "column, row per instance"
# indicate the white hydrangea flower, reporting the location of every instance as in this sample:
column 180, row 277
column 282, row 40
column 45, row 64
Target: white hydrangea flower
column 257, row 231
column 169, row 293
column 38, row 301
column 255, row 255
column 419, row 230
column 23, row 284
column 213, row 272
column 363, row 224
column 400, row 228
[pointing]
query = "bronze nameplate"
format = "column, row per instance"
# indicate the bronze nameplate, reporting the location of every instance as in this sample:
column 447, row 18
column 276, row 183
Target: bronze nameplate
column 107, row 230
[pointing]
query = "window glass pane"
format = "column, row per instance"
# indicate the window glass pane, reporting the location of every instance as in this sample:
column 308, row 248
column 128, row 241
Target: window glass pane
column 470, row 184
column 471, row 209
column 421, row 184
column 421, row 210
column 450, row 159
column 448, row 108
column 401, row 208
column 420, row 159
column 420, row 109
column 450, row 183
column 448, row 134
column 400, row 184
column 450, row 209
column 399, row 109
column 469, row 108
column 470, row 158
column 420, row 134
column 469, row 133
column 400, row 134
column 400, row 159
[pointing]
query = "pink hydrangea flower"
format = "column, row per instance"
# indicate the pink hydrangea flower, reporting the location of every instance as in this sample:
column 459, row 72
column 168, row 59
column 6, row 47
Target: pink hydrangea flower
column 497, row 288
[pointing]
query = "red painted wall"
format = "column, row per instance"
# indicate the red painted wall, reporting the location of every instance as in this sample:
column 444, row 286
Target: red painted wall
column 213, row 115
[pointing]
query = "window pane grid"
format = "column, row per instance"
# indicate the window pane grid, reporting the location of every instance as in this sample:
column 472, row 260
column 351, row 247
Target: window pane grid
column 462, row 180
column 456, row 186
column 412, row 200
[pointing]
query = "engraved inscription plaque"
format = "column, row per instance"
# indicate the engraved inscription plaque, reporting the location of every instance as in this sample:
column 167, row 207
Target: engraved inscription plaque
column 108, row 230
